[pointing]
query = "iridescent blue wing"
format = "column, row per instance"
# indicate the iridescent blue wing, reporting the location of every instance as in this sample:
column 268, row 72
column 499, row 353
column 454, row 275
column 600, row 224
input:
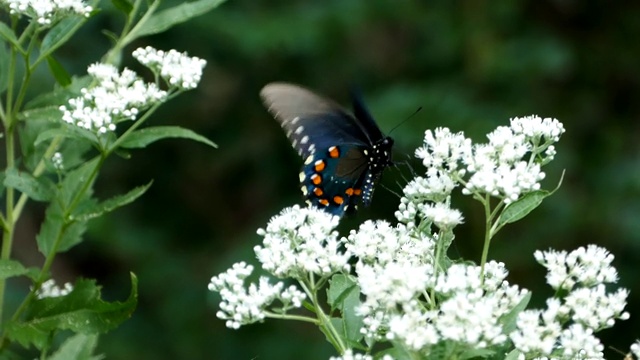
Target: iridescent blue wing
column 344, row 155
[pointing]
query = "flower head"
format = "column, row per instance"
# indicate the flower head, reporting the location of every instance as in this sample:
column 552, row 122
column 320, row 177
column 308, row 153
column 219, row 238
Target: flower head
column 49, row 289
column 176, row 68
column 115, row 97
column 47, row 11
column 300, row 241
column 245, row 305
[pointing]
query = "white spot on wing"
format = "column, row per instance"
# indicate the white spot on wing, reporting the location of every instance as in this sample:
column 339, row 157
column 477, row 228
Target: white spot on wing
column 304, row 140
column 300, row 129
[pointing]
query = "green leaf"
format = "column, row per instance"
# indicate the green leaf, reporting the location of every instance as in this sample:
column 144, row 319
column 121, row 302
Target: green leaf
column 112, row 204
column 5, row 60
column 10, row 36
column 343, row 294
column 513, row 355
column 78, row 347
column 509, row 320
column 81, row 311
column 39, row 189
column 123, row 5
column 60, row 95
column 476, row 353
column 59, row 73
column 58, row 234
column 76, row 180
column 45, row 113
column 59, row 34
column 143, row 137
column 166, row 19
column 521, row 207
column 11, row 268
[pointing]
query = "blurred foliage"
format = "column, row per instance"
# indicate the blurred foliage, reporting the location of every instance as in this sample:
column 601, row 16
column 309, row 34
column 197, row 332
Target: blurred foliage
column 470, row 65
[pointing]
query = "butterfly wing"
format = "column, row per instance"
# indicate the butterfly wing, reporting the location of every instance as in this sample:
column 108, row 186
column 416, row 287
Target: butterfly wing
column 337, row 147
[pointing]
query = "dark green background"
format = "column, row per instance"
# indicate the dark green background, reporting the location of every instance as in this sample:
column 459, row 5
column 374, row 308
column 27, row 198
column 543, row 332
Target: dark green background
column 470, row 65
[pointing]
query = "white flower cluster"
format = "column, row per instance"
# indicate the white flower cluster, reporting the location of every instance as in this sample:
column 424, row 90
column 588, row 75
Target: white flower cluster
column 47, row 11
column 635, row 349
column 302, row 241
column 57, row 161
column 115, row 97
column 49, row 289
column 240, row 305
column 499, row 168
column 176, row 68
column 566, row 327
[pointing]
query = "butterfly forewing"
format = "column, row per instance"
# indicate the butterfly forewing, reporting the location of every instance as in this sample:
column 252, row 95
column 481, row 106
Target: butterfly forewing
column 343, row 155
column 310, row 121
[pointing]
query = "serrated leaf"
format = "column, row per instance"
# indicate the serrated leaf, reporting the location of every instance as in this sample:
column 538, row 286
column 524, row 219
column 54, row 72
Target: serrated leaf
column 143, row 137
column 10, row 36
column 521, row 207
column 57, row 234
column 123, row 5
column 166, row 19
column 340, row 286
column 59, row 73
column 11, row 268
column 78, row 347
column 39, row 189
column 112, row 204
column 59, row 34
column 81, row 311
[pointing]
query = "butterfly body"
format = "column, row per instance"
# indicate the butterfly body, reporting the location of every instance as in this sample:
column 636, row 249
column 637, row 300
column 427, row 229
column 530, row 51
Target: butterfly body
column 344, row 155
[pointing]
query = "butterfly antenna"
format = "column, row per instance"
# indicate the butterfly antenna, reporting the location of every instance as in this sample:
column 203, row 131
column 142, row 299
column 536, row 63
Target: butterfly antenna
column 405, row 120
column 391, row 191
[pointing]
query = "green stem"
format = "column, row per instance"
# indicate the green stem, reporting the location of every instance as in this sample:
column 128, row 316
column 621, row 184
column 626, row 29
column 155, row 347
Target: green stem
column 132, row 128
column 128, row 33
column 7, row 233
column 292, row 317
column 37, row 172
column 323, row 320
column 487, row 236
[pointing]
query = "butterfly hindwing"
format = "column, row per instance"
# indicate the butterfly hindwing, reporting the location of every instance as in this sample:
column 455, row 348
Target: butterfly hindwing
column 343, row 155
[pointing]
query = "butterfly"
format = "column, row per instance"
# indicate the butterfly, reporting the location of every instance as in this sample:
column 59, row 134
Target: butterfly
column 344, row 155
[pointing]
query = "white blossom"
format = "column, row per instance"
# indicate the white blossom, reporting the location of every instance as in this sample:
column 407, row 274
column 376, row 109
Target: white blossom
column 350, row 355
column 586, row 266
column 49, row 289
column 635, row 348
column 301, row 241
column 176, row 68
column 443, row 150
column 242, row 305
column 45, row 12
column 116, row 96
column 57, row 161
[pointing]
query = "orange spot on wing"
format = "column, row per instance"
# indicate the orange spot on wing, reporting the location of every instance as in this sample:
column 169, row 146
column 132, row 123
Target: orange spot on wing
column 316, row 179
column 338, row 199
column 318, row 191
column 334, row 152
column 357, row 191
column 349, row 191
column 324, row 202
column 319, row 165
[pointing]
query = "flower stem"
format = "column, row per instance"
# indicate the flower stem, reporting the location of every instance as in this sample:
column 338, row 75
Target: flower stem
column 487, row 236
